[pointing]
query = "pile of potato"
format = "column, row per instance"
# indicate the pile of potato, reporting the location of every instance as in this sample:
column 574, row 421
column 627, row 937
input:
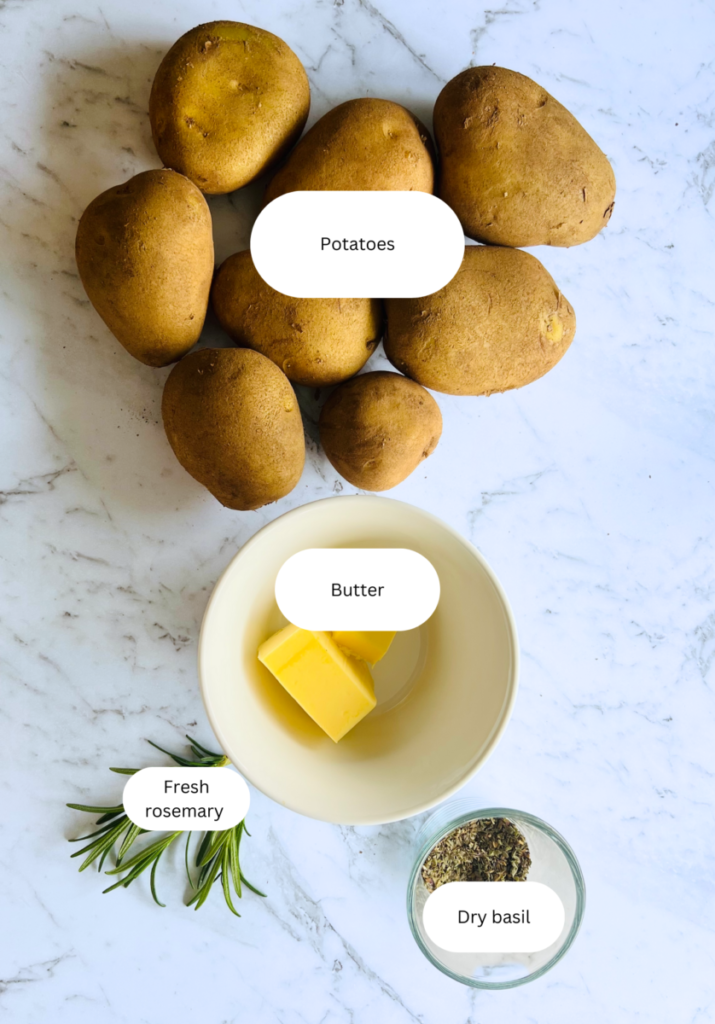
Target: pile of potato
column 228, row 104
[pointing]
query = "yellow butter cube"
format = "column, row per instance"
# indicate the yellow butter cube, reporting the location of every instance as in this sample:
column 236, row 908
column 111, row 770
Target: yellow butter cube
column 365, row 644
column 333, row 688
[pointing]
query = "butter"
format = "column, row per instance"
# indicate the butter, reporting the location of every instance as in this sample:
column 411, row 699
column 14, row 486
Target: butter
column 335, row 689
column 370, row 646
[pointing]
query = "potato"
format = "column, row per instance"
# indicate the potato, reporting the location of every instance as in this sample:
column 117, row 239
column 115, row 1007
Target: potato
column 377, row 428
column 145, row 256
column 500, row 323
column 233, row 421
column 228, row 101
column 314, row 341
column 516, row 167
column 364, row 144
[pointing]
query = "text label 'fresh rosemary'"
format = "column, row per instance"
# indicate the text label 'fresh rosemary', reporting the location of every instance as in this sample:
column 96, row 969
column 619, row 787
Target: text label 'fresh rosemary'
column 159, row 798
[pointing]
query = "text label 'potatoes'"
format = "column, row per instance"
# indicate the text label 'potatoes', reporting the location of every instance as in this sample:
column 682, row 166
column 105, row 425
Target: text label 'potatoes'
column 343, row 245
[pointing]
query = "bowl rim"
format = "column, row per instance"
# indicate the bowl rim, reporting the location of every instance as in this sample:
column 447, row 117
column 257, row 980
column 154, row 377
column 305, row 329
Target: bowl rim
column 513, row 684
column 498, row 812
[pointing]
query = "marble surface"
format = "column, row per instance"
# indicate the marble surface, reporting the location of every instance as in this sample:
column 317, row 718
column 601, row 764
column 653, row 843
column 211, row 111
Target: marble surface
column 589, row 493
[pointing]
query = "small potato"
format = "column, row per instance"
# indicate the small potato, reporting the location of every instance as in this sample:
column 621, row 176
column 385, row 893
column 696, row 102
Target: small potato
column 364, row 144
column 377, row 428
column 228, row 101
column 500, row 323
column 145, row 255
column 233, row 421
column 315, row 342
column 516, row 167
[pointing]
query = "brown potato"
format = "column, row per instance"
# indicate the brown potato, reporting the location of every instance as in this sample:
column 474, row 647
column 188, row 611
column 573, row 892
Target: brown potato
column 145, row 256
column 233, row 421
column 228, row 101
column 315, row 342
column 500, row 323
column 516, row 167
column 377, row 428
column 364, row 144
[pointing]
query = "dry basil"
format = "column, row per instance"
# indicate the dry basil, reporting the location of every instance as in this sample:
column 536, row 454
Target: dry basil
column 483, row 850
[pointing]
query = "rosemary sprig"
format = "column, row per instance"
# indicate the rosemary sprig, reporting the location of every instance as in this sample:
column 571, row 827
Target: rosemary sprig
column 140, row 862
column 107, row 836
column 217, row 856
column 203, row 758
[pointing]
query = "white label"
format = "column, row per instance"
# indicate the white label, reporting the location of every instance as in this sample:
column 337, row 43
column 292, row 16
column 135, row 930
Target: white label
column 172, row 799
column 494, row 917
column 357, row 588
column 342, row 245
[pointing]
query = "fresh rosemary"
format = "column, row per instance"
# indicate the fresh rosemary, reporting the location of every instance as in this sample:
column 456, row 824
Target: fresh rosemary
column 217, row 856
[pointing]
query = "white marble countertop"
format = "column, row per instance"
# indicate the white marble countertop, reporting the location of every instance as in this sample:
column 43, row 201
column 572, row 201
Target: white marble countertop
column 589, row 493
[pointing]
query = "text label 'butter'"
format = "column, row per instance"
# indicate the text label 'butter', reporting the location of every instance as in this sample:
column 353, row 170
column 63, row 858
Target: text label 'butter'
column 357, row 589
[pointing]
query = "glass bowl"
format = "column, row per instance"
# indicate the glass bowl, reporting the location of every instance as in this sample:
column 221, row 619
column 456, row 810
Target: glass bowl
column 553, row 863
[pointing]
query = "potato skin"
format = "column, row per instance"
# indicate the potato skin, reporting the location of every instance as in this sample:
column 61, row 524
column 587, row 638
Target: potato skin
column 228, row 101
column 499, row 324
column 233, row 421
column 378, row 427
column 145, row 256
column 315, row 342
column 363, row 144
column 516, row 167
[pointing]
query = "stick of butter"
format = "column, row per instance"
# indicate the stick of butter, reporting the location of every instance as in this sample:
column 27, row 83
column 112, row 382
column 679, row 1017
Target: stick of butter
column 333, row 688
column 365, row 644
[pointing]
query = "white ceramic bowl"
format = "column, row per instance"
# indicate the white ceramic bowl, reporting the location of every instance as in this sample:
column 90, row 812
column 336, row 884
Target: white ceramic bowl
column 445, row 690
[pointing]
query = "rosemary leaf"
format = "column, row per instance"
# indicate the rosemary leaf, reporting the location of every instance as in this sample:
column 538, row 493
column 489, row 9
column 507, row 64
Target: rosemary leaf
column 129, row 838
column 215, row 843
column 202, row 848
column 186, row 861
column 105, row 811
column 252, row 887
column 183, row 761
column 97, row 832
column 195, row 745
column 152, row 883
column 234, row 843
column 202, row 893
column 226, row 886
